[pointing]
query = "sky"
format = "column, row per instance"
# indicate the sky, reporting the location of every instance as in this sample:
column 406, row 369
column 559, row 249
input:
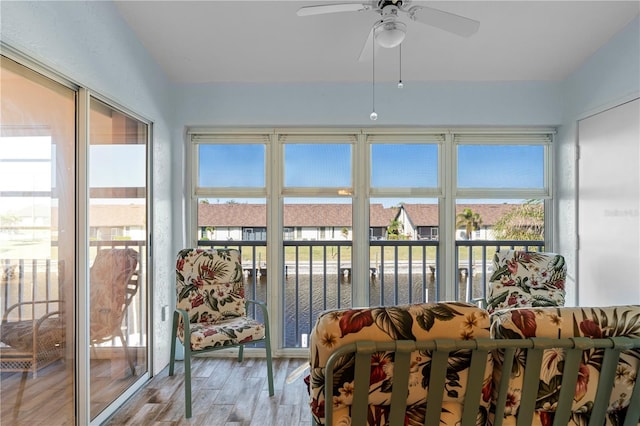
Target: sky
column 393, row 165
column 26, row 165
column 306, row 166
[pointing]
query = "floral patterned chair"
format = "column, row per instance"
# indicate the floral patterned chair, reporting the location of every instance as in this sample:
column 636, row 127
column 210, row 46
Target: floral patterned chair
column 412, row 324
column 526, row 279
column 555, row 323
column 211, row 310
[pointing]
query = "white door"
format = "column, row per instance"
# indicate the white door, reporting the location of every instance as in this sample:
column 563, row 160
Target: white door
column 608, row 207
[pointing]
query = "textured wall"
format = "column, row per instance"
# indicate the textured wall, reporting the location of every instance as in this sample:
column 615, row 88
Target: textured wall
column 325, row 104
column 609, row 78
column 89, row 43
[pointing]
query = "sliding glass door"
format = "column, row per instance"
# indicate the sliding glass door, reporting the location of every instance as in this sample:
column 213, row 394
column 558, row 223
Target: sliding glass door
column 63, row 273
column 37, row 247
column 117, row 252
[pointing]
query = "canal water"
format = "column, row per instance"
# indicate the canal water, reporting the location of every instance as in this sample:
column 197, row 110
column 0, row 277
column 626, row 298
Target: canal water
column 306, row 296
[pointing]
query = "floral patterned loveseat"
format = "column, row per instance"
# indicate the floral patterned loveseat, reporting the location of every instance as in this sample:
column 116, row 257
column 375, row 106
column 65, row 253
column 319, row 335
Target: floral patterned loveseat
column 376, row 366
column 417, row 322
column 555, row 323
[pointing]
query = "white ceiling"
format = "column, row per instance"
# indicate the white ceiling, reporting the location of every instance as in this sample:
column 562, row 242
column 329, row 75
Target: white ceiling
column 266, row 42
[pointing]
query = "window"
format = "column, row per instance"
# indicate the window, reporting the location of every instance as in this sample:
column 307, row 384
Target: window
column 388, row 205
column 418, row 162
column 317, row 165
column 499, row 164
column 288, row 233
column 318, row 187
column 230, row 209
column 502, row 194
column 405, row 181
column 219, row 165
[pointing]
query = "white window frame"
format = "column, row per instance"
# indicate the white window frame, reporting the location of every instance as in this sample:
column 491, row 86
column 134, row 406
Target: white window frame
column 361, row 191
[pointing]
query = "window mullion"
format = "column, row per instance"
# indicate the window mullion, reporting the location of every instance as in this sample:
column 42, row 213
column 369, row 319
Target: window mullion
column 447, row 206
column 275, row 253
column 360, row 221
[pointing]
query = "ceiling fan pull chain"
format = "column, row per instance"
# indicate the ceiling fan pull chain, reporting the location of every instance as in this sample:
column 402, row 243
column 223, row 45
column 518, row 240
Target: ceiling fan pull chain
column 400, row 83
column 374, row 115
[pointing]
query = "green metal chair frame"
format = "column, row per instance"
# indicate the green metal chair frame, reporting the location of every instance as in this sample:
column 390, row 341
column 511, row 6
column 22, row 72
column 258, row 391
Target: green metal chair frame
column 188, row 352
column 481, row 348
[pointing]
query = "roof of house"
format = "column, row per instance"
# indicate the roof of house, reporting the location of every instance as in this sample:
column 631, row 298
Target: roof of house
column 328, row 215
column 336, row 215
column 427, row 214
column 295, row 215
column 422, row 214
column 232, row 215
column 317, row 215
column 380, row 216
column 246, row 215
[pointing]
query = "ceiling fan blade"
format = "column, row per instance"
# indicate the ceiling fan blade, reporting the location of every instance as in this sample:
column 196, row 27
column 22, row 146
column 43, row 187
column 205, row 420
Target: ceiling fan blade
column 331, row 8
column 367, row 49
column 444, row 20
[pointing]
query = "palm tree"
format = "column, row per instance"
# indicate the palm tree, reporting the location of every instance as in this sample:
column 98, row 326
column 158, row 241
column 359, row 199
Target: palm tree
column 468, row 220
column 394, row 229
column 345, row 233
column 525, row 222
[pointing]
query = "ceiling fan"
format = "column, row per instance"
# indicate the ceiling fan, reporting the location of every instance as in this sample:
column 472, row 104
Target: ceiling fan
column 389, row 31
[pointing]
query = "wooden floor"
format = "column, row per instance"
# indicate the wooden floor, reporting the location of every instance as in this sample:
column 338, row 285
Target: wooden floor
column 28, row 400
column 225, row 392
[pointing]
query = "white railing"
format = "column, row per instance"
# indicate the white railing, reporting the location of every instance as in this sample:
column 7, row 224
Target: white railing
column 26, row 281
column 317, row 275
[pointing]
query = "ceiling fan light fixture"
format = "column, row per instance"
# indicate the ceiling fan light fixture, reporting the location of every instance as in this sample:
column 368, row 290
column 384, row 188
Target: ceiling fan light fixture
column 390, row 34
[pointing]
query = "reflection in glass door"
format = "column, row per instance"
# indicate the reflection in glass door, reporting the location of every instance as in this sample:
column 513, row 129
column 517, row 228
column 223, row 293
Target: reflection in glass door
column 117, row 252
column 37, row 247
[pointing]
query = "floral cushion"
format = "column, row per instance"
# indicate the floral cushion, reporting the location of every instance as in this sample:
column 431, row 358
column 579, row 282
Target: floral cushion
column 228, row 332
column 210, row 288
column 336, row 328
column 109, row 275
column 524, row 279
column 564, row 322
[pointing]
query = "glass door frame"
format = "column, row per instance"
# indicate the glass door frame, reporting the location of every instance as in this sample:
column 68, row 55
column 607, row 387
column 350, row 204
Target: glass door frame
column 81, row 278
column 83, row 394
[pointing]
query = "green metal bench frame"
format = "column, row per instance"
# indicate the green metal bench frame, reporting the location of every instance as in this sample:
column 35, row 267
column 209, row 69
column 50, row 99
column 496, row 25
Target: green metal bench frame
column 481, row 349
